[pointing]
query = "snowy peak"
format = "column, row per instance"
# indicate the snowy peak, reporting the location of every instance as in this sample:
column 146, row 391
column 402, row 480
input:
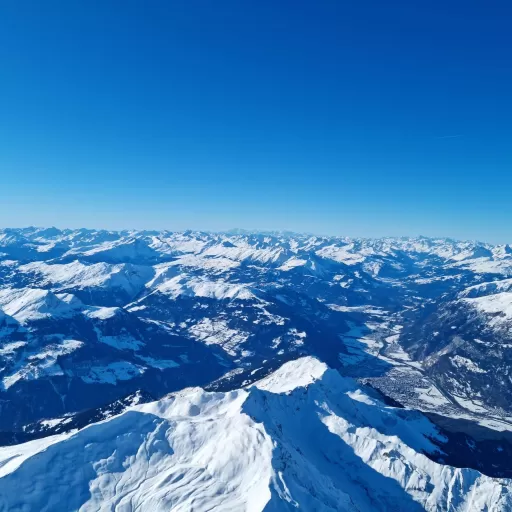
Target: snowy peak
column 292, row 375
column 249, row 450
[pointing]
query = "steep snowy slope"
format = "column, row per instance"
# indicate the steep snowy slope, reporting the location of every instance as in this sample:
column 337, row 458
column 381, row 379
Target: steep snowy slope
column 303, row 438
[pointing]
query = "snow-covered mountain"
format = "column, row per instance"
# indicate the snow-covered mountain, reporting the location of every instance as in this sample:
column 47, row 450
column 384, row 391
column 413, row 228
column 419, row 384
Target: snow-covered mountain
column 90, row 319
column 302, row 438
column 465, row 343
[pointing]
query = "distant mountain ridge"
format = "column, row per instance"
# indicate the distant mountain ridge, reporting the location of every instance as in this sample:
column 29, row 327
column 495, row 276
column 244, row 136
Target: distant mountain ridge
column 242, row 297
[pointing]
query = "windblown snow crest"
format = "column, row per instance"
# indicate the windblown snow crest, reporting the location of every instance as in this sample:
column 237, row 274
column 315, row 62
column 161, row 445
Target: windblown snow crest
column 303, row 437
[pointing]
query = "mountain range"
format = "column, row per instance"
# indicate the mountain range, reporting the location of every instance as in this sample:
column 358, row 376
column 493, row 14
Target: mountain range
column 152, row 370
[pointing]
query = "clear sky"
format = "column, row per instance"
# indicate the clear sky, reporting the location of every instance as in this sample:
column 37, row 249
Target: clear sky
column 332, row 116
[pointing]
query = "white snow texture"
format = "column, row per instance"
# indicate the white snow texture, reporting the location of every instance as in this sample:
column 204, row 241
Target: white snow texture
column 303, row 438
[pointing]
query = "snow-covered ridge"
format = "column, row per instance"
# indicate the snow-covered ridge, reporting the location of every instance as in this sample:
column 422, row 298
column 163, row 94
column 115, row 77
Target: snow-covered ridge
column 292, row 375
column 256, row 247
column 34, row 304
column 79, row 275
column 41, row 364
column 487, row 288
column 201, row 287
column 303, row 438
column 499, row 305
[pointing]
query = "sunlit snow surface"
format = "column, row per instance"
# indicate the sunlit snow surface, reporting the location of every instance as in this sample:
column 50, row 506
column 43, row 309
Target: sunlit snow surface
column 302, row 438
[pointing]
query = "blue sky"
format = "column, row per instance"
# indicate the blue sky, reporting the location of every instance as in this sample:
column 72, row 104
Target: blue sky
column 361, row 118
